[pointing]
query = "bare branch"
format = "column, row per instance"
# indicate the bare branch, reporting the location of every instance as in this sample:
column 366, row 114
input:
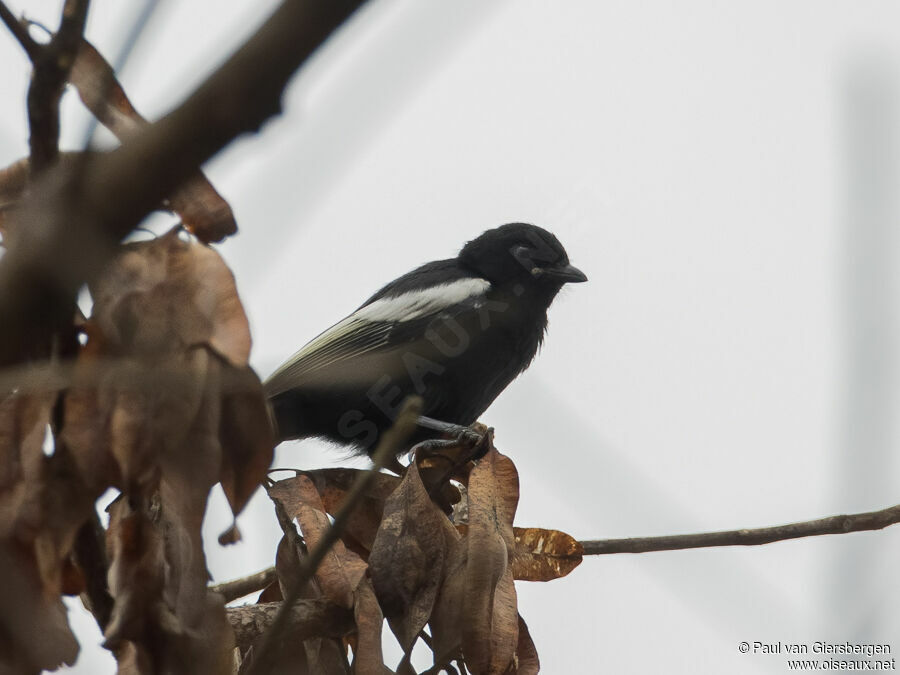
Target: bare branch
column 306, row 619
column 391, row 442
column 856, row 522
column 52, row 63
column 19, row 31
column 238, row 588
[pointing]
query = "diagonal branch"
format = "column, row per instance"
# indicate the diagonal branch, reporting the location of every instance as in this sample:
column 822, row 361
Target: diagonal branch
column 855, row 522
column 19, row 31
column 391, row 442
column 238, row 588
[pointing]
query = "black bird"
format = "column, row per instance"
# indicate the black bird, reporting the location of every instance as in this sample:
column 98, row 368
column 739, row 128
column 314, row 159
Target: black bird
column 456, row 332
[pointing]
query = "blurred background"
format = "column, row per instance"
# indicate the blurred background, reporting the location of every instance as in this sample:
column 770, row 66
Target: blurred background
column 725, row 173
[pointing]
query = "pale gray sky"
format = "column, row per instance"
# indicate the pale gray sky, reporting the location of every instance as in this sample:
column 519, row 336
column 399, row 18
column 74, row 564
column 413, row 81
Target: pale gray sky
column 711, row 166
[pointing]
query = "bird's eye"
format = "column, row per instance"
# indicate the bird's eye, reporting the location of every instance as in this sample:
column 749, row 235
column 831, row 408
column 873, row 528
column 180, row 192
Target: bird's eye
column 536, row 272
column 521, row 254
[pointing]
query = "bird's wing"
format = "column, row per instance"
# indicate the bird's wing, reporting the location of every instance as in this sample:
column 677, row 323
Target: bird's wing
column 383, row 324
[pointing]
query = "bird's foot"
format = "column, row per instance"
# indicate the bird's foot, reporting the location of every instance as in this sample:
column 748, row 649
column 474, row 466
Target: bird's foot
column 476, row 437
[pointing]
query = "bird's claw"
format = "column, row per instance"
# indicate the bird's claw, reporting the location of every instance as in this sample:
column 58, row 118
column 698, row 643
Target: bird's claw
column 476, row 437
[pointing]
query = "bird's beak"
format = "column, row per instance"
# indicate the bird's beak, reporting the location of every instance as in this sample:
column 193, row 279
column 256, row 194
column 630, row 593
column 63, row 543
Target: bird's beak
column 568, row 274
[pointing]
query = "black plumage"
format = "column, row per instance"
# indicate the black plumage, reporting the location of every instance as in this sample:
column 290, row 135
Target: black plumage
column 456, row 332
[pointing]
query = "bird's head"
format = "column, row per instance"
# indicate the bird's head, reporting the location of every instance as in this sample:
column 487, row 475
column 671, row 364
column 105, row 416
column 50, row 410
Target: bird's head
column 519, row 253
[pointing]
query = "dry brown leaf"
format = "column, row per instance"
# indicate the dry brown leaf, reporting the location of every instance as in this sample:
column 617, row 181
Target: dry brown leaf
column 163, row 615
column 313, row 655
column 168, row 343
column 23, row 424
column 247, row 440
column 362, row 526
column 326, row 656
column 167, row 295
column 493, row 496
column 407, row 558
column 504, row 625
column 527, row 661
column 13, row 180
column 187, row 478
column 367, row 654
column 165, row 405
column 41, row 511
column 271, row 593
column 447, row 614
column 33, row 626
column 341, row 570
column 287, row 569
column 135, row 549
column 202, row 210
column 544, row 555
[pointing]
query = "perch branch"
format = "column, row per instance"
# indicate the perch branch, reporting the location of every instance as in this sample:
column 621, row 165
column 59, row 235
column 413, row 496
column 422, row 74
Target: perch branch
column 390, row 444
column 855, row 522
column 306, row 619
column 232, row 590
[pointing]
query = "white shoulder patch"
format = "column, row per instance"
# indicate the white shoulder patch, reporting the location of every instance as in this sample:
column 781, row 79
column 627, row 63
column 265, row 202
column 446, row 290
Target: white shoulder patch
column 415, row 304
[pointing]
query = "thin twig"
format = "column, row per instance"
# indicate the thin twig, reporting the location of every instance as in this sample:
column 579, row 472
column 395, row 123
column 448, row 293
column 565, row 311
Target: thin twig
column 19, row 31
column 118, row 63
column 52, row 64
column 238, row 588
column 855, row 522
column 392, row 441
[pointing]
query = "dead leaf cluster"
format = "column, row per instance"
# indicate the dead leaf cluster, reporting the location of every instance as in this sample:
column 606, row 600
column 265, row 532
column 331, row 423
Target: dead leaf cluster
column 162, row 406
column 402, row 558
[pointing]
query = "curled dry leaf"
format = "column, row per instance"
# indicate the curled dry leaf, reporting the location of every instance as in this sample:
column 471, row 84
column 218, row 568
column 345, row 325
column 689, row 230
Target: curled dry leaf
column 341, row 569
column 527, row 661
column 489, row 625
column 543, row 555
column 40, row 514
column 367, row 654
column 136, row 575
column 407, row 558
column 447, row 614
column 167, row 295
column 202, row 210
column 168, row 343
column 308, row 651
column 362, row 526
column 41, row 511
column 13, row 180
column 33, row 626
column 162, row 620
column 504, row 625
column 246, row 435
